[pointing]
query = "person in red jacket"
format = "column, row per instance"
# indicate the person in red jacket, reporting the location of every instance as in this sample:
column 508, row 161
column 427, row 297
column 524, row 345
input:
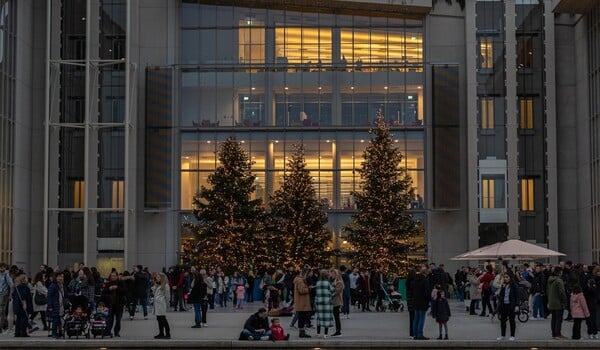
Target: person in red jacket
column 277, row 332
column 486, row 281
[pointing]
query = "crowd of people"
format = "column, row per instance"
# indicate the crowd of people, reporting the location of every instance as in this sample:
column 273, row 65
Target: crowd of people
column 308, row 294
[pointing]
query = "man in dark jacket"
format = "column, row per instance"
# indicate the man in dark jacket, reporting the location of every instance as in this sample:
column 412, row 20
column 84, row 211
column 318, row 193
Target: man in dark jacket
column 257, row 326
column 421, row 298
column 538, row 290
column 140, row 289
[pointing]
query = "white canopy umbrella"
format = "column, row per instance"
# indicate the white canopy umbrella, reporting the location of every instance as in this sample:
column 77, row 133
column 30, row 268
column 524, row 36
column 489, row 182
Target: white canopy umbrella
column 511, row 249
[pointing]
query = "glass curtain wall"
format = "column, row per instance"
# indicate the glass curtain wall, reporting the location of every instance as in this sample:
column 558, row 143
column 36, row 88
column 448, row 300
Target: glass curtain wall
column 94, row 124
column 276, row 78
column 7, row 124
column 491, row 120
column 530, row 99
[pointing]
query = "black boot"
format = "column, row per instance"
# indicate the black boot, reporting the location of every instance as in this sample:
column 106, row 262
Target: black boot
column 303, row 334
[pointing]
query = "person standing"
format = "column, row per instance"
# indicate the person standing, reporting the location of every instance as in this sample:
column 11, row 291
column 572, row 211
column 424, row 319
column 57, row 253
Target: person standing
column 140, row 293
column 162, row 295
column 346, row 293
column 421, row 298
column 557, row 301
column 302, row 301
column 6, row 284
column 55, row 309
column 440, row 310
column 22, row 305
column 197, row 296
column 338, row 287
column 486, row 281
column 410, row 301
column 509, row 305
column 324, row 303
column 39, row 288
column 579, row 311
column 115, row 291
column 538, row 290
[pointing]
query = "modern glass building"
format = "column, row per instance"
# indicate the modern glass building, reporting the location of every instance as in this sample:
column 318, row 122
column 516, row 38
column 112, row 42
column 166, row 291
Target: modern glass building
column 135, row 96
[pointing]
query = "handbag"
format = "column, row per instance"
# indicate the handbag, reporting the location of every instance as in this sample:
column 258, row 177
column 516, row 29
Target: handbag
column 40, row 299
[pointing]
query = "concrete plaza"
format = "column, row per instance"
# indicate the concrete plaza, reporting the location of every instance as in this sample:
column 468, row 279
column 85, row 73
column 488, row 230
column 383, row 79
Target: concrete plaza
column 362, row 330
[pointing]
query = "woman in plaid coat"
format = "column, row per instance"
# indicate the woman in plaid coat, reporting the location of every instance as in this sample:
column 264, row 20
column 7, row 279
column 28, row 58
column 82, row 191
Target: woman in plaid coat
column 324, row 303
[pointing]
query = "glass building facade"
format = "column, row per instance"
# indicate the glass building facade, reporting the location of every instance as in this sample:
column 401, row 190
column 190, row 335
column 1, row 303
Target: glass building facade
column 7, row 124
column 278, row 77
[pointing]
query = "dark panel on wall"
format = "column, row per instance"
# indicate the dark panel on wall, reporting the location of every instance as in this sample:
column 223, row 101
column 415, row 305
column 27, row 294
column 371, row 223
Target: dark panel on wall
column 159, row 91
column 446, row 137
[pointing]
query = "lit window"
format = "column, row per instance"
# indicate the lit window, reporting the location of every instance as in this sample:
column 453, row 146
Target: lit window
column 487, row 113
column 492, row 191
column 526, row 112
column 527, row 194
column 251, row 41
column 525, row 52
column 118, row 194
column 78, row 194
column 486, row 52
column 310, row 46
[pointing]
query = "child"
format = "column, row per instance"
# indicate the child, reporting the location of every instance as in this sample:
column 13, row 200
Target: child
column 102, row 310
column 440, row 310
column 240, row 292
column 79, row 312
column 579, row 310
column 277, row 332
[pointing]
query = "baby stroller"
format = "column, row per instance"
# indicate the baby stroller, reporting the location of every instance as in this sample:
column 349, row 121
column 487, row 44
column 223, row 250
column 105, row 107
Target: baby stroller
column 77, row 318
column 393, row 299
column 99, row 321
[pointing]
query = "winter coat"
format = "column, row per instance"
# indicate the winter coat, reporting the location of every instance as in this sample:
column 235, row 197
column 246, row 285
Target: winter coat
column 513, row 296
column 198, row 292
column 301, row 295
column 140, row 284
column 555, row 290
column 421, row 292
column 116, row 296
column 338, row 299
column 486, row 280
column 440, row 310
column 255, row 322
column 324, row 303
column 579, row 307
column 539, row 283
column 474, row 289
column 22, row 300
column 162, row 295
column 55, row 304
column 40, row 288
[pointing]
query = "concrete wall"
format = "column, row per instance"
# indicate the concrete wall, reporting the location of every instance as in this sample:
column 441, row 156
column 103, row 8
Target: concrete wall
column 29, row 111
column 447, row 230
column 574, row 220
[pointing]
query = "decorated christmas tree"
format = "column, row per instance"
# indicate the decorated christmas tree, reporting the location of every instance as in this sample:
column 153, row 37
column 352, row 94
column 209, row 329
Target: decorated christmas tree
column 382, row 232
column 231, row 225
column 298, row 216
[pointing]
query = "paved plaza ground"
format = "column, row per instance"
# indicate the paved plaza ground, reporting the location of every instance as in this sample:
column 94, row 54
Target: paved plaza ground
column 362, row 330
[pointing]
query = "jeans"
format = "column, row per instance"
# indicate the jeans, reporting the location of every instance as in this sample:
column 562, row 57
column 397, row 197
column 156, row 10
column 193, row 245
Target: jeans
column 460, row 291
column 507, row 313
column 576, row 328
column 255, row 335
column 56, row 325
column 538, row 306
column 336, row 318
column 346, row 302
column 556, row 324
column 197, row 314
column 419, row 323
column 143, row 301
column 486, row 300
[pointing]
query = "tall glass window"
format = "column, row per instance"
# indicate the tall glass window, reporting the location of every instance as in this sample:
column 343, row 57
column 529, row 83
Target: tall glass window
column 487, row 112
column 527, row 195
column 486, row 52
column 492, row 191
column 526, row 112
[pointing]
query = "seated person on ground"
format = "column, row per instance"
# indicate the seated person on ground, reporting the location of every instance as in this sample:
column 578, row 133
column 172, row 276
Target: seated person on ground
column 277, row 332
column 257, row 326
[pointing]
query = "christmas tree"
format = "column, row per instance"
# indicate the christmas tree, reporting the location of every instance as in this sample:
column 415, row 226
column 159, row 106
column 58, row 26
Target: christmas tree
column 231, row 225
column 382, row 232
column 298, row 216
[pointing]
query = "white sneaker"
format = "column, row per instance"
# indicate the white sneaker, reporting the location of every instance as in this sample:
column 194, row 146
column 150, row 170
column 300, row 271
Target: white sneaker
column 500, row 338
column 511, row 338
column 534, row 318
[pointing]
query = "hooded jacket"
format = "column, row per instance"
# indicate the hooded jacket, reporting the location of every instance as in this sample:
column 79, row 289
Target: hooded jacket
column 555, row 290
